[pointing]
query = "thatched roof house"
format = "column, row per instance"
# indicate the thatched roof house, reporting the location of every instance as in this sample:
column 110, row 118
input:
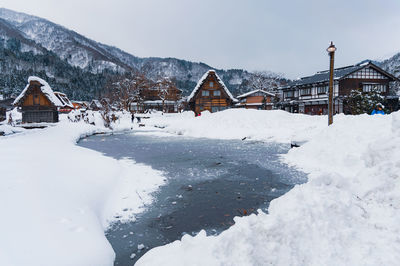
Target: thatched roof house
column 38, row 102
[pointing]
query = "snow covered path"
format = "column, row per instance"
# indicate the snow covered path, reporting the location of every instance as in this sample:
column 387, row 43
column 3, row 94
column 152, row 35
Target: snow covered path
column 57, row 199
column 346, row 214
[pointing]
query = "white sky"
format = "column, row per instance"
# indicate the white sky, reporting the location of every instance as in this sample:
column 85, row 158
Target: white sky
column 284, row 36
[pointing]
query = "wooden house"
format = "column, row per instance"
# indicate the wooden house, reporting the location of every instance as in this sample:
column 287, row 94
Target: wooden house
column 95, row 105
column 67, row 104
column 159, row 98
column 38, row 102
column 309, row 95
column 256, row 99
column 210, row 94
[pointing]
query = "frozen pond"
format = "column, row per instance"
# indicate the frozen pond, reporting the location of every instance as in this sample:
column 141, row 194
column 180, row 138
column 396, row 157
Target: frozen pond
column 209, row 183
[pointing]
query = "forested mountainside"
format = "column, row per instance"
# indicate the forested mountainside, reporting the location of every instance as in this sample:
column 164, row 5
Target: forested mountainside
column 392, row 65
column 79, row 66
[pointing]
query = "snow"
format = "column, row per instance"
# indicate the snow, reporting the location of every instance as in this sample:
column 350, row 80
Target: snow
column 276, row 125
column 160, row 102
column 201, row 81
column 57, row 199
column 346, row 214
column 254, row 91
column 45, row 88
column 56, row 211
column 63, row 99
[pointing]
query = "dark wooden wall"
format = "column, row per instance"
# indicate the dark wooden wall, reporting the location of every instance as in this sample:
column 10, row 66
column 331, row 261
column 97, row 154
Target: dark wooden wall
column 202, row 103
column 347, row 85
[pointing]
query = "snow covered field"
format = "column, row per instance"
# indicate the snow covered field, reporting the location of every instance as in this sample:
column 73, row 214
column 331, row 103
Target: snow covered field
column 346, row 214
column 56, row 198
column 276, row 126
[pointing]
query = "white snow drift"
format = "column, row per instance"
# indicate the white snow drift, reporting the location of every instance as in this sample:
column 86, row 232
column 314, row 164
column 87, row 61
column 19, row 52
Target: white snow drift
column 346, row 214
column 56, row 198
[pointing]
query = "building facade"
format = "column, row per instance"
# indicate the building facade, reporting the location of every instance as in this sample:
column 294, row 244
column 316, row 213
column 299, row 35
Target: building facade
column 210, row 94
column 309, row 95
column 256, row 99
column 163, row 96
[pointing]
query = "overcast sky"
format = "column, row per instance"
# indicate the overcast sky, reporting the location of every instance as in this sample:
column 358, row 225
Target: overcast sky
column 283, row 36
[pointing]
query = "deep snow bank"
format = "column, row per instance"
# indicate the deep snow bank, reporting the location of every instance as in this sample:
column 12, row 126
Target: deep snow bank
column 279, row 126
column 346, row 214
column 56, row 198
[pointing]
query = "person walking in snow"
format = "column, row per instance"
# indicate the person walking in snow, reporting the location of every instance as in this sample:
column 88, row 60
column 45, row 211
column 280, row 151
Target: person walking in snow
column 378, row 110
column 132, row 117
column 10, row 120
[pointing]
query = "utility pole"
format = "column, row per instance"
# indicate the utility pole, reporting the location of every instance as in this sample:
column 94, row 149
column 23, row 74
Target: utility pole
column 331, row 51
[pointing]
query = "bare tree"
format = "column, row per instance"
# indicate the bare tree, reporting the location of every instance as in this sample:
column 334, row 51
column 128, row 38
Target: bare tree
column 166, row 90
column 141, row 84
column 265, row 80
column 125, row 89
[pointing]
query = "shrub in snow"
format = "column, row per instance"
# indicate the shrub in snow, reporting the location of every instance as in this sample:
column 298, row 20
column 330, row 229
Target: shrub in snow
column 360, row 102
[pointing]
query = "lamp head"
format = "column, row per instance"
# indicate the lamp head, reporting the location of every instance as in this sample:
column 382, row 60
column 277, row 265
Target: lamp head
column 331, row 48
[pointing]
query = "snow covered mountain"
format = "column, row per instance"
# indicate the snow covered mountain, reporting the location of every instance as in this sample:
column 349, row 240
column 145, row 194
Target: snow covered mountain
column 8, row 31
column 68, row 45
column 392, row 65
column 37, row 33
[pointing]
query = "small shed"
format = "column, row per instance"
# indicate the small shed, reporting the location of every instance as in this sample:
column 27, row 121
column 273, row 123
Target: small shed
column 38, row 102
column 210, row 94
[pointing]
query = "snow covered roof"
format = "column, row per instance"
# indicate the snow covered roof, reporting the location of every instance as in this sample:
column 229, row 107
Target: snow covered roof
column 203, row 79
column 254, row 91
column 46, row 90
column 339, row 73
column 64, row 99
column 96, row 103
column 159, row 102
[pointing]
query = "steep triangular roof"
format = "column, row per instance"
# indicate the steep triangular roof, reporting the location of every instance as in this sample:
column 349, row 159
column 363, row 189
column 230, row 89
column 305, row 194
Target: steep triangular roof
column 203, row 79
column 46, row 90
column 64, row 99
column 96, row 103
column 254, row 91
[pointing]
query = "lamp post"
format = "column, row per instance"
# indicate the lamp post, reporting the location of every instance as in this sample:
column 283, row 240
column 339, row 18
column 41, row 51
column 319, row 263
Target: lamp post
column 331, row 51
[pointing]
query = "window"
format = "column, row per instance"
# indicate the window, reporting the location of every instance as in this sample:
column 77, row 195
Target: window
column 322, row 90
column 217, row 93
column 36, row 99
column 376, row 87
column 367, row 73
column 211, row 84
column 306, row 91
column 288, row 94
column 205, row 93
